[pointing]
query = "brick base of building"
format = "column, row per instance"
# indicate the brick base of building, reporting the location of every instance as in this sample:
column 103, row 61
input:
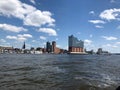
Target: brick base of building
column 76, row 49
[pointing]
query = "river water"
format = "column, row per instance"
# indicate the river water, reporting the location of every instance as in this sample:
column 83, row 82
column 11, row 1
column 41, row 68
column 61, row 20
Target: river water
column 59, row 72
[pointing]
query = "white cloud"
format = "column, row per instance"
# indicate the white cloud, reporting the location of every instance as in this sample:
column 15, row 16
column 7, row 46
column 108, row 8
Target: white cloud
column 11, row 28
column 38, row 18
column 11, row 37
column 109, row 46
column 2, row 40
column 92, row 12
column 49, row 31
column 87, row 42
column 44, row 43
column 5, row 44
column 97, row 21
column 58, row 46
column 117, row 43
column 43, row 38
column 15, row 8
column 109, row 38
column 32, row 1
column 78, row 33
column 33, row 40
column 19, row 37
column 113, row 47
column 98, row 26
column 110, row 14
column 25, row 35
column 112, row 1
column 29, row 14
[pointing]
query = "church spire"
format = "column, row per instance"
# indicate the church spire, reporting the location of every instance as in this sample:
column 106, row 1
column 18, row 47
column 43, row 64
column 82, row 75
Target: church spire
column 23, row 46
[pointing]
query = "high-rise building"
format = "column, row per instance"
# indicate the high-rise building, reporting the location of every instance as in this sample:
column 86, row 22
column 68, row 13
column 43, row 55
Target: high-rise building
column 75, row 45
column 48, row 47
column 53, row 46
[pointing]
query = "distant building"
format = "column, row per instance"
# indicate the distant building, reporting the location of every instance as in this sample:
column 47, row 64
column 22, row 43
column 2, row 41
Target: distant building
column 52, row 48
column 44, row 50
column 75, row 45
column 55, row 49
column 6, row 49
column 89, row 52
column 39, row 50
column 23, row 47
column 17, row 50
column 100, row 51
column 48, row 47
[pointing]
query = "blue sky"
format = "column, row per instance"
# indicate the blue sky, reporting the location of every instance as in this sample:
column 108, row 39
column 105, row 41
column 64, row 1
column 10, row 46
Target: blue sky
column 96, row 22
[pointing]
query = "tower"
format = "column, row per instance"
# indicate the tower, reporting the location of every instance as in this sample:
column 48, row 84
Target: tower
column 53, row 46
column 23, row 46
column 48, row 47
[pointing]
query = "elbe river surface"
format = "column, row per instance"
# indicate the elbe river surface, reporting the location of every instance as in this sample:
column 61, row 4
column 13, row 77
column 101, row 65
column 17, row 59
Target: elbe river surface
column 59, row 72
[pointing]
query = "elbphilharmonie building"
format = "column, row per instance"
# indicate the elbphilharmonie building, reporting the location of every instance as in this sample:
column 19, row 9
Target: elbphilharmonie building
column 75, row 45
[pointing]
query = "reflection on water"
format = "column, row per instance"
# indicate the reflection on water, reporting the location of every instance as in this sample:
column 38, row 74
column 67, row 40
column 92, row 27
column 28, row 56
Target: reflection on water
column 59, row 72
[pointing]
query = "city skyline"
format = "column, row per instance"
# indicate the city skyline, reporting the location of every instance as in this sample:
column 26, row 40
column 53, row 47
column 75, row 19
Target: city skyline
column 97, row 23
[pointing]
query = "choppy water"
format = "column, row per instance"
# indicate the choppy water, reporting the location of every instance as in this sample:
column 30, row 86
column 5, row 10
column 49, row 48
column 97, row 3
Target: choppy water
column 59, row 72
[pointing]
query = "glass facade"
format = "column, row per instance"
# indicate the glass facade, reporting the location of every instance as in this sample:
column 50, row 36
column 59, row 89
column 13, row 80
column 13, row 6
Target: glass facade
column 48, row 47
column 74, row 42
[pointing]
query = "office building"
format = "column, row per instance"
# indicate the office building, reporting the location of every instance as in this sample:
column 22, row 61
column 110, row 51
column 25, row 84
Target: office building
column 53, row 46
column 75, row 45
column 55, row 49
column 48, row 47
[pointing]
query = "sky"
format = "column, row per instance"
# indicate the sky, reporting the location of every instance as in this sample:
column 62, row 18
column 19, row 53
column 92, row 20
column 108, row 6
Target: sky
column 96, row 22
